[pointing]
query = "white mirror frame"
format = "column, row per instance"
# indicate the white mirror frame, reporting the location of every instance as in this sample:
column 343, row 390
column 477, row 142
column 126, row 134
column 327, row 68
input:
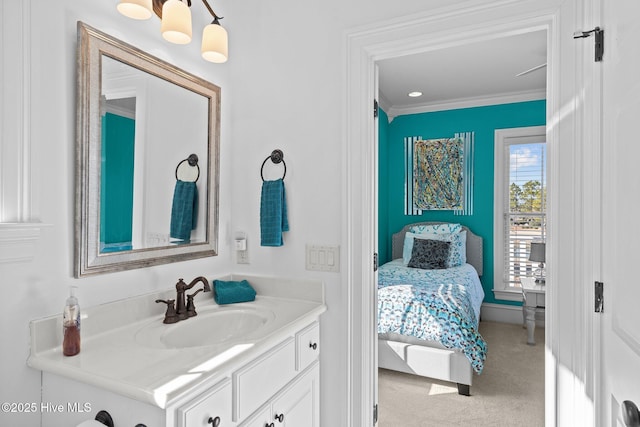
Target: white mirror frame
column 88, row 259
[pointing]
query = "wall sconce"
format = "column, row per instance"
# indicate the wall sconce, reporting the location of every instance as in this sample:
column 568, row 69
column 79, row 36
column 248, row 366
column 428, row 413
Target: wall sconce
column 176, row 24
column 537, row 254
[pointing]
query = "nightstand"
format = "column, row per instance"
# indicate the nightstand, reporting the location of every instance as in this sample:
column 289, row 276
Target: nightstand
column 533, row 296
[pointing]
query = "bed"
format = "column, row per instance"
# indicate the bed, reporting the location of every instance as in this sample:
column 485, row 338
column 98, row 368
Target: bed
column 428, row 317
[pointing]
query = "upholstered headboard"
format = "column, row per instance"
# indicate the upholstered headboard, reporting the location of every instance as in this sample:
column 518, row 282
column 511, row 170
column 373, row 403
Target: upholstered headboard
column 474, row 245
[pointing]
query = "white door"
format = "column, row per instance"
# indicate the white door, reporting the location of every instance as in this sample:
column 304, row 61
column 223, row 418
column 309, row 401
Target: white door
column 620, row 320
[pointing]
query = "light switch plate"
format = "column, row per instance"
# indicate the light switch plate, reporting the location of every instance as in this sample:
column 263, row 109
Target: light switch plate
column 323, row 257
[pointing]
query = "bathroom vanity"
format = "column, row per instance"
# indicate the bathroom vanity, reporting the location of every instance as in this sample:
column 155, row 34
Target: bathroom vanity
column 248, row 364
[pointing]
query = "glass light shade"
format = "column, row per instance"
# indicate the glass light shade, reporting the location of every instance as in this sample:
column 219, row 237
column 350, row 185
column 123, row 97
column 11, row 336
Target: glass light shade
column 176, row 22
column 215, row 44
column 135, row 9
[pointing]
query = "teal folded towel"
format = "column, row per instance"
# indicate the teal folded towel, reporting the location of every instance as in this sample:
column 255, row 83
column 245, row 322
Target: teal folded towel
column 184, row 210
column 229, row 292
column 273, row 213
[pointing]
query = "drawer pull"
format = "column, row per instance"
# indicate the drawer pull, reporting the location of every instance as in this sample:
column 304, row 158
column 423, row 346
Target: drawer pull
column 313, row 345
column 269, row 425
column 215, row 422
column 280, row 417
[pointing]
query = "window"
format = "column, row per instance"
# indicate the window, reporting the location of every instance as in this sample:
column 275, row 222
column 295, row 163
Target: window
column 520, row 189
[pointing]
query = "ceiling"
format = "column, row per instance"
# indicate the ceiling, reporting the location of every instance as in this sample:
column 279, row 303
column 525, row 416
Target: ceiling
column 474, row 74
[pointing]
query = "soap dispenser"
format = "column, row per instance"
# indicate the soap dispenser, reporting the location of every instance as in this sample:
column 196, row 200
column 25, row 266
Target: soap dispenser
column 71, row 325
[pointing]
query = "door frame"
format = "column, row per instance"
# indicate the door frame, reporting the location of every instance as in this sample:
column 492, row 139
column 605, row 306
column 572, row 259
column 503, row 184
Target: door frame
column 438, row 29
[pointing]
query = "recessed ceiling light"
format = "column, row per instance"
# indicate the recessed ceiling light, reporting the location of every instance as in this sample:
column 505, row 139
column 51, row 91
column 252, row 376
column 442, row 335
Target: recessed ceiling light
column 414, row 94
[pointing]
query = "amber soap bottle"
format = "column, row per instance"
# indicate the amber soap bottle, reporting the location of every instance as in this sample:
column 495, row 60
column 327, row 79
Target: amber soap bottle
column 71, row 325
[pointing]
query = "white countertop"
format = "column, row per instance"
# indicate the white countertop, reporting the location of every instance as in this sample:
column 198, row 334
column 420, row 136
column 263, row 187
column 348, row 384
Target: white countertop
column 112, row 358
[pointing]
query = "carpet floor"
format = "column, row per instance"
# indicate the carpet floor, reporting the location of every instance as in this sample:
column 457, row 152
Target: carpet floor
column 509, row 392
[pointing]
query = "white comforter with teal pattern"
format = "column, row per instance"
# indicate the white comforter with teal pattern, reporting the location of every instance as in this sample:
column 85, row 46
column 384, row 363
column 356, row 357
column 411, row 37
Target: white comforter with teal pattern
column 434, row 305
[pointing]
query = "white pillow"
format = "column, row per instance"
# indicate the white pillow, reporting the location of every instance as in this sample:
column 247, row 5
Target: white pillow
column 457, row 251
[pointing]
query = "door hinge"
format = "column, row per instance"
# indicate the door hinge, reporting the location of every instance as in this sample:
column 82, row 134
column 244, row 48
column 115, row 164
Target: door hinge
column 375, row 414
column 375, row 108
column 375, row 261
column 599, row 41
column 599, row 296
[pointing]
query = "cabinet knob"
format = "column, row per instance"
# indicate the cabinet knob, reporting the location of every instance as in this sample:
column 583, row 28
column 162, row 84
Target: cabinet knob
column 280, row 417
column 215, row 422
column 313, row 345
column 269, row 425
column 630, row 414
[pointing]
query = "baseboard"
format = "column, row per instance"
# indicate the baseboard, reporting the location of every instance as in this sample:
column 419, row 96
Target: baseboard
column 507, row 314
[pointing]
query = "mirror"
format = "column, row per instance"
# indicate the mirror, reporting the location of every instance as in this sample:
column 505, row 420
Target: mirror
column 147, row 159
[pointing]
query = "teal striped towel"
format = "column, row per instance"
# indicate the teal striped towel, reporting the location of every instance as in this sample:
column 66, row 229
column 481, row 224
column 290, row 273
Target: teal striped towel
column 273, row 213
column 184, row 210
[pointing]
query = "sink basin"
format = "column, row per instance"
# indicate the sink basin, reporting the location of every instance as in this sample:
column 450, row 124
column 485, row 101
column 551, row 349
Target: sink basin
column 208, row 328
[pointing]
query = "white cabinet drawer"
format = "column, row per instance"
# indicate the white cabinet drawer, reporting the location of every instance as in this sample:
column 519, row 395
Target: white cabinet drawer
column 259, row 419
column 307, row 343
column 294, row 406
column 216, row 402
column 259, row 380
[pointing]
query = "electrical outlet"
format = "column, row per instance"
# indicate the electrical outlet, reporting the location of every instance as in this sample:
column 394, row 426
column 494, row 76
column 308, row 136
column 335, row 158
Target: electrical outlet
column 242, row 257
column 157, row 239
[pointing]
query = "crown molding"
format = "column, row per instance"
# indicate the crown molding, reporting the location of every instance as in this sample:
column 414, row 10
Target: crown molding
column 456, row 104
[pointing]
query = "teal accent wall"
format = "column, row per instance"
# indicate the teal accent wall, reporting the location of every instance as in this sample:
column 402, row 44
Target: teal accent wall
column 483, row 121
column 116, row 199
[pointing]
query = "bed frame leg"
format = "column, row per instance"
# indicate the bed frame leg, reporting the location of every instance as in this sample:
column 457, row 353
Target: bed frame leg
column 463, row 389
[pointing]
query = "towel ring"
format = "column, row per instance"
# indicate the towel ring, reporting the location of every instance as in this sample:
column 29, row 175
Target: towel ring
column 185, row 171
column 277, row 156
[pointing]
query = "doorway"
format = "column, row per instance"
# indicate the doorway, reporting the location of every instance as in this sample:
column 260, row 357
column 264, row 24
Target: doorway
column 360, row 157
column 481, row 87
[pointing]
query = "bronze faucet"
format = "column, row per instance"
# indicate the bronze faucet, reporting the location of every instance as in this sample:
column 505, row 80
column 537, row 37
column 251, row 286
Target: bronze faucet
column 181, row 311
column 181, row 287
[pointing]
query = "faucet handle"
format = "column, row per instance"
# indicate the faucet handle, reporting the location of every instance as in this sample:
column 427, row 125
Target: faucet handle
column 191, row 308
column 170, row 315
column 195, row 293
